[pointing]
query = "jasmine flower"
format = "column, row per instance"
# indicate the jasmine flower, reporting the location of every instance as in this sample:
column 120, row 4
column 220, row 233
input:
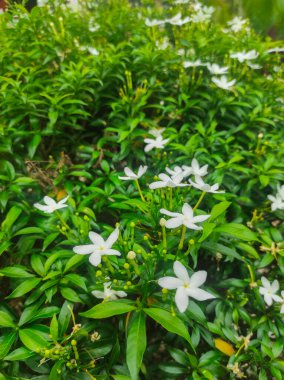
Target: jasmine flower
column 201, row 185
column 268, row 291
column 167, row 181
column 186, row 218
column 157, row 143
column 50, row 205
column 130, row 175
column 223, row 82
column 108, row 294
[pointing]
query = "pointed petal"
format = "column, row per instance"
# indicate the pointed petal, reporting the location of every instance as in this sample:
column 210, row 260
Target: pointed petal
column 84, row 249
column 199, row 294
column 164, row 177
column 110, row 252
column 181, row 272
column 49, row 201
column 198, row 279
column 98, row 294
column 42, row 207
column 187, row 210
column 112, row 238
column 63, row 201
column 125, row 178
column 95, row 259
column 120, row 293
column 200, row 218
column 268, row 299
column 276, row 298
column 129, row 173
column 60, row 206
column 157, row 185
column 174, row 222
column 169, row 213
column 192, row 226
column 181, row 299
column 265, row 282
column 96, row 238
column 195, row 164
column 274, row 286
column 148, row 147
column 170, row 282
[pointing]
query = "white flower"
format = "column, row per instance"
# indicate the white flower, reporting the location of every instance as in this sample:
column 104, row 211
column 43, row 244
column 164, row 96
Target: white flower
column 223, row 82
column 108, row 294
column 282, row 301
column 216, row 69
column 177, row 20
column 275, row 50
column 237, row 23
column 201, row 185
column 164, row 44
column 203, row 14
column 158, row 143
column 93, row 51
column 186, row 286
column 268, row 291
column 50, row 205
column 156, row 132
column 245, row 56
column 73, row 5
column 196, row 63
column 177, row 170
column 186, row 218
column 254, row 66
column 194, row 169
column 131, row 175
column 155, row 22
column 277, row 202
column 181, row 2
column 167, row 181
column 99, row 247
column 280, row 191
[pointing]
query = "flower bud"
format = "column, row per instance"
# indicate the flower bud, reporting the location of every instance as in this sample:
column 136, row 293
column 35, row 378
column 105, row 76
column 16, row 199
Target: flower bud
column 126, row 266
column 132, row 224
column 162, row 222
column 131, row 255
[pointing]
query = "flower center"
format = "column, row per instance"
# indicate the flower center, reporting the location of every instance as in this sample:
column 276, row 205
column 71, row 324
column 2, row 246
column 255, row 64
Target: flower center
column 186, row 285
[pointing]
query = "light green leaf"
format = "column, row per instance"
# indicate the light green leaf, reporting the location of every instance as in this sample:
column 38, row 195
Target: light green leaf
column 109, row 309
column 136, row 344
column 237, row 230
column 19, row 354
column 6, row 343
column 169, row 322
column 25, row 287
column 33, row 339
column 6, row 320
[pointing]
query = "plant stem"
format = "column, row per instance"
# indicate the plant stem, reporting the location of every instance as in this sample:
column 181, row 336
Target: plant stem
column 164, row 237
column 171, row 197
column 199, row 200
column 183, row 231
column 62, row 220
column 139, row 190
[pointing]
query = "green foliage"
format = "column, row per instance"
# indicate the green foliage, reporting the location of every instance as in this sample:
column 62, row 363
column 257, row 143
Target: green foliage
column 80, row 91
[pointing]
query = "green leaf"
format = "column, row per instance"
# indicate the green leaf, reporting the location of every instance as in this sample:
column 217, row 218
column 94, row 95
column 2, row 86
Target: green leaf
column 237, row 230
column 11, row 217
column 109, row 309
column 6, row 343
column 207, row 230
column 33, row 144
column 6, row 320
column 136, row 344
column 37, row 264
column 64, row 317
column 33, row 338
column 55, row 374
column 25, row 287
column 169, row 322
column 54, row 328
column 29, row 230
column 49, row 239
column 16, row 272
column 69, row 294
column 218, row 210
column 76, row 280
column 120, row 377
column 19, row 354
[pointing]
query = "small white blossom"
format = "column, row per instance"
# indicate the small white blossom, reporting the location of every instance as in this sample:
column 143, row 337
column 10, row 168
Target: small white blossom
column 93, row 51
column 156, row 132
column 196, row 63
column 277, row 202
column 164, row 44
column 130, row 175
column 237, row 24
column 158, row 143
column 177, row 20
column 223, row 82
column 216, row 69
column 254, row 66
column 268, row 291
column 275, row 50
column 186, row 286
column 181, row 2
column 167, row 181
column 99, row 247
column 186, row 218
column 50, row 205
column 195, row 169
column 245, row 56
column 108, row 294
column 175, row 171
column 154, row 22
column 201, row 185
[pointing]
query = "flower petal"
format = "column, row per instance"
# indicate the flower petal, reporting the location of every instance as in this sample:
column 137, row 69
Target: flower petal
column 265, row 282
column 63, row 201
column 174, row 222
column 43, row 208
column 98, row 294
column 129, row 173
column 274, row 286
column 181, row 299
column 112, row 238
column 110, row 252
column 170, row 282
column 187, row 210
column 95, row 259
column 96, row 238
column 120, row 293
column 169, row 213
column 181, row 271
column 84, row 249
column 200, row 218
column 49, row 201
column 198, row 278
column 199, row 294
column 157, row 185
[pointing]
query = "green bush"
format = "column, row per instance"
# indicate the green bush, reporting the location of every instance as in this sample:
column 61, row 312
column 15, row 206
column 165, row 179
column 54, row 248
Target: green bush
column 88, row 92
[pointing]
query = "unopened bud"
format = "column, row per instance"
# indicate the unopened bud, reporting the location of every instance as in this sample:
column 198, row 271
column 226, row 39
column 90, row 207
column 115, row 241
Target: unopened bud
column 162, row 222
column 131, row 255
